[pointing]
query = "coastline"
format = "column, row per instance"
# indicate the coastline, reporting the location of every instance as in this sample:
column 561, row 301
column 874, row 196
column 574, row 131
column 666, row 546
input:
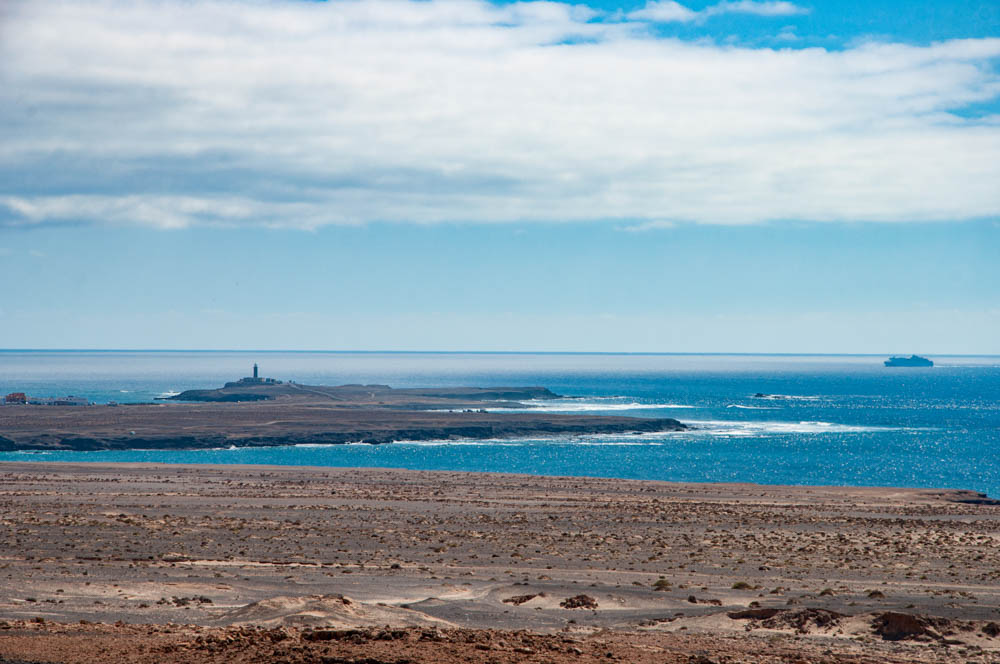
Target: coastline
column 668, row 564
column 291, row 421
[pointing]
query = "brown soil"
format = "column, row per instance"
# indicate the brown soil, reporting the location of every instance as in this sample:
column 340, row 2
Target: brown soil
column 191, row 644
column 265, row 564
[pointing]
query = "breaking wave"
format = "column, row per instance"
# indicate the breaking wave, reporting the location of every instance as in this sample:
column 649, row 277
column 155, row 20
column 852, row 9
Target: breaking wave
column 706, row 428
column 604, row 404
column 783, row 397
column 763, row 428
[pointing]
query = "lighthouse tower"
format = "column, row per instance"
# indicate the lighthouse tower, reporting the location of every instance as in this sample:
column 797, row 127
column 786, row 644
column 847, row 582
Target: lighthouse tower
column 254, row 380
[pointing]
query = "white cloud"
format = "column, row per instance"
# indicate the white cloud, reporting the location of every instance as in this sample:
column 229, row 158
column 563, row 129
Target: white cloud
column 788, row 34
column 172, row 114
column 652, row 225
column 755, row 7
column 665, row 11
column 668, row 11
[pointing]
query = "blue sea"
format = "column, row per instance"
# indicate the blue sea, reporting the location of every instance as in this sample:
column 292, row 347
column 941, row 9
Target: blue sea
column 831, row 419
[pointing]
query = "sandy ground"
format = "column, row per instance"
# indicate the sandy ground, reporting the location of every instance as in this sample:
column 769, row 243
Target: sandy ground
column 145, row 563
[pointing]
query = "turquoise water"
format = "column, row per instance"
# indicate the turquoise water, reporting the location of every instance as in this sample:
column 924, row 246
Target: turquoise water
column 841, row 420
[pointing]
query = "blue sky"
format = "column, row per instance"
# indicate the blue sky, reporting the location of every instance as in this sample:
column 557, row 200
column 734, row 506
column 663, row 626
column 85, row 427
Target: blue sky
column 833, row 24
column 652, row 176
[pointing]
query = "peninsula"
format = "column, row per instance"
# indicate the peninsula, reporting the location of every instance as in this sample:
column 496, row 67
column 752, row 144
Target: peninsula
column 260, row 412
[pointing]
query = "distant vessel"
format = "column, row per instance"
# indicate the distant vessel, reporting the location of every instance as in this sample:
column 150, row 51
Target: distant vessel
column 911, row 361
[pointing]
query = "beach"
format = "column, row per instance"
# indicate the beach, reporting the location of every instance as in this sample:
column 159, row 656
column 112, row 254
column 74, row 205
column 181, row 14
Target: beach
column 178, row 563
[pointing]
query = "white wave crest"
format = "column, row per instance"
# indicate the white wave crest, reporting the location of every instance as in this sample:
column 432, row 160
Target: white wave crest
column 588, row 405
column 763, row 428
column 610, row 443
column 469, row 442
column 784, row 397
column 699, row 428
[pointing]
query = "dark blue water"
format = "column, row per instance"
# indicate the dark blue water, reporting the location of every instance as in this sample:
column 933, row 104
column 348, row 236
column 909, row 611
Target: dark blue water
column 841, row 420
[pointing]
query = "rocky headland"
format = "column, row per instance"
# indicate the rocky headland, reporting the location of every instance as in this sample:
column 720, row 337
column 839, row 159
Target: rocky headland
column 259, row 415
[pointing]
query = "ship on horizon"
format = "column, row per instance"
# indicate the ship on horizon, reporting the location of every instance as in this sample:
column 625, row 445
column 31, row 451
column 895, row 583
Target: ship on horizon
column 911, row 361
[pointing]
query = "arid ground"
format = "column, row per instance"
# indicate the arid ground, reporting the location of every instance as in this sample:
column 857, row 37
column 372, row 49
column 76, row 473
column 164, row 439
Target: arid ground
column 154, row 563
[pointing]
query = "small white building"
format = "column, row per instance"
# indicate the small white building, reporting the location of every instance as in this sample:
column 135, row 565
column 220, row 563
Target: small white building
column 58, row 401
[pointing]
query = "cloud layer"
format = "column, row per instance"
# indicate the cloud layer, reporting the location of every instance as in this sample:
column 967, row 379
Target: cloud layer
column 668, row 11
column 294, row 114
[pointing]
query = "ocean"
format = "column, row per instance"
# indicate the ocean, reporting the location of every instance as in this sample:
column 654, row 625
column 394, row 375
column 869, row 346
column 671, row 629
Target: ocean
column 827, row 419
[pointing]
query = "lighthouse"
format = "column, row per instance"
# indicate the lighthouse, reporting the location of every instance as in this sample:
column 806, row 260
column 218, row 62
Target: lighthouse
column 254, row 380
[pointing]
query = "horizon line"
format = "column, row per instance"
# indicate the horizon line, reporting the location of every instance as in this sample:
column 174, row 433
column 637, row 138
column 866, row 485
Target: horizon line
column 476, row 352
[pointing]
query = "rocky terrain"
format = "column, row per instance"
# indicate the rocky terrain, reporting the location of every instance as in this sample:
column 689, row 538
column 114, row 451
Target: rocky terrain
column 413, row 398
column 290, row 414
column 146, row 563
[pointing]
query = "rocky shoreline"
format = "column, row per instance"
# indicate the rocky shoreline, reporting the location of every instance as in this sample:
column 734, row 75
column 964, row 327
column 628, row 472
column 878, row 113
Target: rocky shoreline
column 292, row 414
column 508, row 427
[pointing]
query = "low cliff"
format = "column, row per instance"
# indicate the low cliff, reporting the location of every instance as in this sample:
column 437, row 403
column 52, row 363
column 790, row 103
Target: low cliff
column 285, row 421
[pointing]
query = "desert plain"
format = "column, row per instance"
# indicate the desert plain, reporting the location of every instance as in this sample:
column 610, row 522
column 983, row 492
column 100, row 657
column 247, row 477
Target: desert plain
column 178, row 563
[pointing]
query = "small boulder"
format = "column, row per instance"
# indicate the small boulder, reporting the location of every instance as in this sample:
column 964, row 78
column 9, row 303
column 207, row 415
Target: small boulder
column 892, row 626
column 579, row 602
column 754, row 614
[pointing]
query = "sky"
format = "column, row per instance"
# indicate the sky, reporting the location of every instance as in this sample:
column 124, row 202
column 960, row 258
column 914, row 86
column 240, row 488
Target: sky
column 731, row 176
